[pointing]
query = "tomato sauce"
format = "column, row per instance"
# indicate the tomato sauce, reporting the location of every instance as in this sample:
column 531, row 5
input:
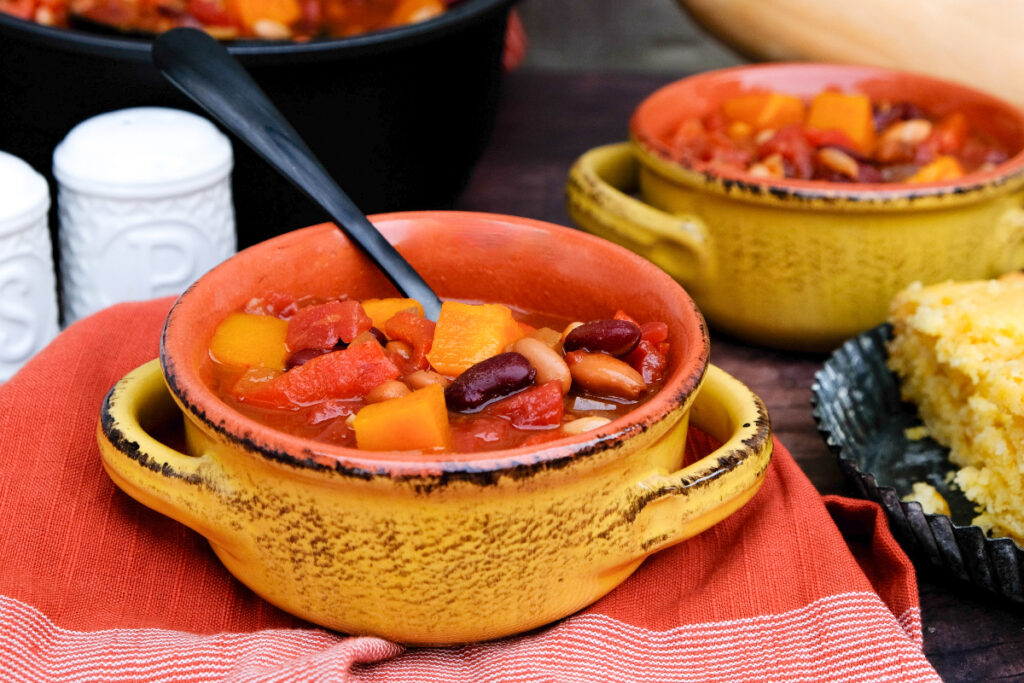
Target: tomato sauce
column 377, row 375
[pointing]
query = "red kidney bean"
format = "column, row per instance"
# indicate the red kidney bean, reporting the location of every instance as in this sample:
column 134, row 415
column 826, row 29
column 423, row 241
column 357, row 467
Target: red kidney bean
column 614, row 337
column 302, row 356
column 489, row 379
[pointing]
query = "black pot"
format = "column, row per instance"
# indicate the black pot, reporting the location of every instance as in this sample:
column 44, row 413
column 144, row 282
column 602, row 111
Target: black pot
column 398, row 116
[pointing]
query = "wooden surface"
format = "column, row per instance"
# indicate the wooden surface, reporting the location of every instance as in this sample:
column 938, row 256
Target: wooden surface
column 546, row 121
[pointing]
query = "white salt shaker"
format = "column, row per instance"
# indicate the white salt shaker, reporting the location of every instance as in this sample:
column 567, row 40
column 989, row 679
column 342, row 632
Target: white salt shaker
column 144, row 198
column 28, row 289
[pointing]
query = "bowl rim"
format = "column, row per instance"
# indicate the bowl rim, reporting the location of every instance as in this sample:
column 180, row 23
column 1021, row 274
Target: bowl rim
column 652, row 151
column 138, row 49
column 201, row 404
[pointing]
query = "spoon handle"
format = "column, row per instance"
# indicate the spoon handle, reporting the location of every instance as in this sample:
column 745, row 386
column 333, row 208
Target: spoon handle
column 204, row 70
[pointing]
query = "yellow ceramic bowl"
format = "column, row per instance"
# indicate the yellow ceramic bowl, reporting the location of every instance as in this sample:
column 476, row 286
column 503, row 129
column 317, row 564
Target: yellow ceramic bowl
column 409, row 546
column 802, row 264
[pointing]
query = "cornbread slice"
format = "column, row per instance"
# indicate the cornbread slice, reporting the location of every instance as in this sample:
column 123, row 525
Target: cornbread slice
column 958, row 349
column 929, row 497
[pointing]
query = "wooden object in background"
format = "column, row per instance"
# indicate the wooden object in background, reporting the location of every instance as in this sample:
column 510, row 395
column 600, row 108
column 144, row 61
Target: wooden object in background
column 975, row 43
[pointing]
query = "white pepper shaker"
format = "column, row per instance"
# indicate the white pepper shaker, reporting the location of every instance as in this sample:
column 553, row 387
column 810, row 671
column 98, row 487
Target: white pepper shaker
column 28, row 289
column 144, row 198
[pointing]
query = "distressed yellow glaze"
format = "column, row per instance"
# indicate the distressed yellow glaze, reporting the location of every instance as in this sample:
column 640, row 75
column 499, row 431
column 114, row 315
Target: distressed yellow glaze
column 428, row 559
column 796, row 264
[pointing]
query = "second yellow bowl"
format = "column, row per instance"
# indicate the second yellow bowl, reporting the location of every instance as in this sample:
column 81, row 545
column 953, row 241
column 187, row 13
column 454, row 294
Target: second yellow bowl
column 802, row 264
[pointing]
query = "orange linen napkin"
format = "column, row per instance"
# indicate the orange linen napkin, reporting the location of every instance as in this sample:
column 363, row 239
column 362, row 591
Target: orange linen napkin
column 94, row 586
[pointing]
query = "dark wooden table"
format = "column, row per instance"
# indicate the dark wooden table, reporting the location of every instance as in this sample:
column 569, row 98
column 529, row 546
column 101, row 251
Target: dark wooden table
column 546, row 121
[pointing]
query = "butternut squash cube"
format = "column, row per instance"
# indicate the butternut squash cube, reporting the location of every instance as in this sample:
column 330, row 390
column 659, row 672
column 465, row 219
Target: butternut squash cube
column 765, row 110
column 416, row 421
column 247, row 340
column 251, row 12
column 381, row 310
column 468, row 333
column 943, row 168
column 849, row 114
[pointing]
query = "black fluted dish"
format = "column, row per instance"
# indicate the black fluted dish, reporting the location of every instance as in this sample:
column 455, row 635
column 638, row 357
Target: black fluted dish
column 858, row 411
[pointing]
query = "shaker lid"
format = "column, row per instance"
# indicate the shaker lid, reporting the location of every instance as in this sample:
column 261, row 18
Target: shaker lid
column 142, row 152
column 24, row 194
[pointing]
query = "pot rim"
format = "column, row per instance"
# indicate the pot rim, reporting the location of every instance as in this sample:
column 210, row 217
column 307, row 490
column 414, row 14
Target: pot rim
column 1008, row 174
column 136, row 49
column 201, row 404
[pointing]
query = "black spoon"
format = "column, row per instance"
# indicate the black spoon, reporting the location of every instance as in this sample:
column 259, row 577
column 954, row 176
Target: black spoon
column 204, row 70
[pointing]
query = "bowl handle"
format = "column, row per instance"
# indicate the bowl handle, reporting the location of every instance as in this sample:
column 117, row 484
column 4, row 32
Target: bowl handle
column 184, row 487
column 677, row 506
column 599, row 202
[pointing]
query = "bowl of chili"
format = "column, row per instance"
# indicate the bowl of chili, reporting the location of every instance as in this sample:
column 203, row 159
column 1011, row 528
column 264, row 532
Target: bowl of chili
column 399, row 116
column 390, row 530
column 793, row 200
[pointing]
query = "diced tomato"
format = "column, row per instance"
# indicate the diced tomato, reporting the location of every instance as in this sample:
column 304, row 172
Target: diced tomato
column 690, row 141
column 977, row 152
column 649, row 360
column 791, row 144
column 949, row 134
column 416, row 331
column 348, row 373
column 253, row 381
column 211, row 13
column 654, row 332
column 322, row 325
column 478, row 433
column 695, row 143
column 725, row 155
column 539, row 406
column 622, row 315
column 312, row 13
column 715, row 121
column 23, row 9
column 274, row 303
column 831, row 138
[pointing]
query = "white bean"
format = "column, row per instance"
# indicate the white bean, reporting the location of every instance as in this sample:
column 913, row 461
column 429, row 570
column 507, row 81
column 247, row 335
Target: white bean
column 584, row 424
column 546, row 361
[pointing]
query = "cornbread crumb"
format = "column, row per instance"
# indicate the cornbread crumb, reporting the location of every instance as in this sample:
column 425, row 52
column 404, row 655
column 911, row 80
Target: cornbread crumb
column 930, row 499
column 958, row 349
column 915, row 433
